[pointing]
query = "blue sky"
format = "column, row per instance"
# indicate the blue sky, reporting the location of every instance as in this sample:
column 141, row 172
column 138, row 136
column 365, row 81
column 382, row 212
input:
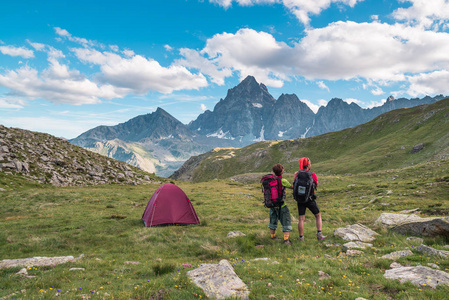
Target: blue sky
column 68, row 66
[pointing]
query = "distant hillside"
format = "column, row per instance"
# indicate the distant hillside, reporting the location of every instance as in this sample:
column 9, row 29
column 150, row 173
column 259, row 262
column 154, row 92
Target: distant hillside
column 46, row 159
column 395, row 139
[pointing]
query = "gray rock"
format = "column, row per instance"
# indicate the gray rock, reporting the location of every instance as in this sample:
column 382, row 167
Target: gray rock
column 356, row 232
column 233, row 234
column 219, row 281
column 420, row 276
column 418, row 148
column 395, row 265
column 398, row 254
column 413, row 224
column 355, row 245
column 35, row 261
column 431, row 251
column 435, row 266
column 414, row 239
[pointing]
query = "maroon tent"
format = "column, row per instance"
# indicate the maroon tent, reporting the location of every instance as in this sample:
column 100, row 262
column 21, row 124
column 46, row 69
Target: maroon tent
column 169, row 205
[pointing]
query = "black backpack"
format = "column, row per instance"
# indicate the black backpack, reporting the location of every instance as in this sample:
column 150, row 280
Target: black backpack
column 273, row 191
column 304, row 187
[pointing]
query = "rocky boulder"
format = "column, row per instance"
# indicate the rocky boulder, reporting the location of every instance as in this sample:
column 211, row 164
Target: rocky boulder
column 420, row 276
column 219, row 281
column 413, row 224
column 356, row 232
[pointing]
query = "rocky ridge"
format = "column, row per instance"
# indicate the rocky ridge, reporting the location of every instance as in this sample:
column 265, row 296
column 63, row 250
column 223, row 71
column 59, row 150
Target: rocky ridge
column 47, row 159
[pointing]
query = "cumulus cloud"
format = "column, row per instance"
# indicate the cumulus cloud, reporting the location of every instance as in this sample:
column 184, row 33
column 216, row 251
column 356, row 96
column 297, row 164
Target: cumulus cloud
column 429, row 83
column 426, row 13
column 140, row 75
column 248, row 52
column 203, row 107
column 57, row 84
column 17, row 51
column 302, row 9
column 65, row 34
column 168, row 48
column 376, row 52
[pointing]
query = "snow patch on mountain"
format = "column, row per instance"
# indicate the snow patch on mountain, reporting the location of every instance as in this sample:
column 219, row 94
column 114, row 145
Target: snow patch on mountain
column 257, row 105
column 221, row 135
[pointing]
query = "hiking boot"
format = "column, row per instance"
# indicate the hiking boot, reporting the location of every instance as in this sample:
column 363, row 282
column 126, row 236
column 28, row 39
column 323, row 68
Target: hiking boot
column 287, row 242
column 275, row 238
column 301, row 239
column 320, row 236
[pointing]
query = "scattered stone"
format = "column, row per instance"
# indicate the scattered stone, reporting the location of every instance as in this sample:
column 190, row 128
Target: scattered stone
column 323, row 275
column 415, row 210
column 413, row 224
column 395, row 265
column 356, row 232
column 417, row 148
column 258, row 259
column 22, row 272
column 435, row 266
column 355, row 245
column 2, row 190
column 132, row 262
column 219, row 281
column 333, row 245
column 260, row 246
column 77, row 269
column 416, row 240
column 360, row 298
column 431, row 251
column 36, row 261
column 419, row 275
column 351, row 253
column 233, row 234
column 398, row 254
column 328, row 256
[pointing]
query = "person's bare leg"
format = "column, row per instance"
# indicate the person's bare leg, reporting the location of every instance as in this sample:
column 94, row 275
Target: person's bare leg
column 319, row 222
column 301, row 226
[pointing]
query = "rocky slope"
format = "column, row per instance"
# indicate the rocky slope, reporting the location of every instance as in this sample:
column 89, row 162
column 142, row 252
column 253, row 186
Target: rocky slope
column 46, row 159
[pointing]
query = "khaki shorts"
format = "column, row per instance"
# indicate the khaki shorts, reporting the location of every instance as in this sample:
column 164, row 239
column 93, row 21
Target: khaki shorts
column 284, row 217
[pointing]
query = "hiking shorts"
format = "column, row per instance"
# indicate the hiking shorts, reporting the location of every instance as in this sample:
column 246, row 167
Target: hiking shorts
column 284, row 217
column 311, row 205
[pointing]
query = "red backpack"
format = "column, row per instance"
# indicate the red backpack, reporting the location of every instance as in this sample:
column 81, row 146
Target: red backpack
column 273, row 191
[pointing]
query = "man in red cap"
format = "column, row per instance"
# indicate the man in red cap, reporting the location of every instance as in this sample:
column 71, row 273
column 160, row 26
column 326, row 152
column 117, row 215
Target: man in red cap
column 304, row 165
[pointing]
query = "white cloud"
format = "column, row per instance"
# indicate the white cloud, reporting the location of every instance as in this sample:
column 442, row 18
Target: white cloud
column 322, row 86
column 429, row 83
column 114, row 48
column 17, row 51
column 377, row 91
column 64, row 33
column 352, row 100
column 375, row 52
column 203, row 107
column 248, row 52
column 11, row 103
column 168, row 48
column 57, row 84
column 312, row 106
column 36, row 46
column 128, row 52
column 302, row 9
column 426, row 13
column 140, row 75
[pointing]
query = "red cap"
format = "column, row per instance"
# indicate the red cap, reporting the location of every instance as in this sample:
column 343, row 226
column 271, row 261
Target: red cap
column 303, row 162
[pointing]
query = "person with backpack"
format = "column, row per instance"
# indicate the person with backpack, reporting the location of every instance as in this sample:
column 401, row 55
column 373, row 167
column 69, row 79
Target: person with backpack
column 304, row 185
column 274, row 198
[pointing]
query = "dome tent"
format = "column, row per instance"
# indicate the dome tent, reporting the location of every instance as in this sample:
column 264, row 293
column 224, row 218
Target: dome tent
column 169, row 205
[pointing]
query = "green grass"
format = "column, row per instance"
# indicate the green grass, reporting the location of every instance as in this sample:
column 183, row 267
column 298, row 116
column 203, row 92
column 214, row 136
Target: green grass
column 104, row 223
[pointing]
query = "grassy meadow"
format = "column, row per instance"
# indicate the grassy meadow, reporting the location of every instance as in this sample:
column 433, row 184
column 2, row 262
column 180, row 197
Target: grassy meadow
column 104, row 223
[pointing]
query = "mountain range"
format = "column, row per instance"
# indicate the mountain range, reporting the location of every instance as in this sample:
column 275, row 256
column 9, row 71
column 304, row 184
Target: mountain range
column 397, row 139
column 159, row 143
